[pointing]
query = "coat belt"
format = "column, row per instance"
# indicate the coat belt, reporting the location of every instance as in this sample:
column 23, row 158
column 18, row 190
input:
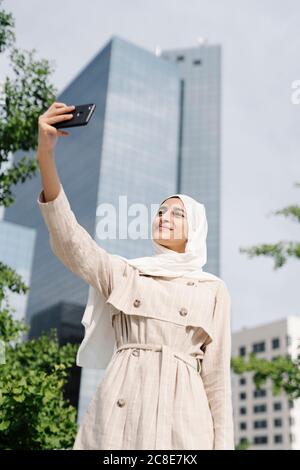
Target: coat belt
column 166, row 386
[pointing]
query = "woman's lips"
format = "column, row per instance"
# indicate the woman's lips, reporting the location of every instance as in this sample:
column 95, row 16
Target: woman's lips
column 165, row 227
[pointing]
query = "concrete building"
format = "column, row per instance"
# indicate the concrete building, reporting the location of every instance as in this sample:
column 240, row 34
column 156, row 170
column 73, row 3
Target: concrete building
column 266, row 421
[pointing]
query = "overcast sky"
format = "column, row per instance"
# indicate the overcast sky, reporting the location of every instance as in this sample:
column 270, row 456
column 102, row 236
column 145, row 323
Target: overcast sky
column 260, row 126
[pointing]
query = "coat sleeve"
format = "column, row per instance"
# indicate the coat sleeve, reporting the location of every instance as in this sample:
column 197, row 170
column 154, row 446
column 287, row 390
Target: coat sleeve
column 75, row 248
column 216, row 372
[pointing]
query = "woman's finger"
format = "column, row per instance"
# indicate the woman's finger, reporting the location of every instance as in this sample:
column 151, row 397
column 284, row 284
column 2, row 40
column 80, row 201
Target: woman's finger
column 55, row 105
column 58, row 118
column 64, row 133
column 60, row 110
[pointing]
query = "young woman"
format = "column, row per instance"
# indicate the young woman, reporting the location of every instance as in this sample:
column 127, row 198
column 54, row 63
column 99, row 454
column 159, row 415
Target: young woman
column 168, row 382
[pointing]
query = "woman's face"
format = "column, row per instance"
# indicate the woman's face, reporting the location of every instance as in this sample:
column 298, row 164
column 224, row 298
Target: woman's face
column 170, row 226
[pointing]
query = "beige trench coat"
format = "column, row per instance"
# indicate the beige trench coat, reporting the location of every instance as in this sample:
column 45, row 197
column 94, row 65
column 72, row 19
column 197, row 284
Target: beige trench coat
column 168, row 384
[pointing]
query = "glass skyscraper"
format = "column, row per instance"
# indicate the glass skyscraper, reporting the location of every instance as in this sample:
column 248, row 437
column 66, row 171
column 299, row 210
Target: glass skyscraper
column 17, row 244
column 199, row 161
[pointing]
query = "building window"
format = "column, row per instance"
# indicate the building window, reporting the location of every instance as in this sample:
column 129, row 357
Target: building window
column 243, row 410
column 243, row 380
column 259, row 347
column 288, row 340
column 243, row 425
column 242, row 350
column 275, row 343
column 259, row 408
column 243, row 440
column 180, row 58
column 277, row 422
column 292, row 437
column 261, row 440
column 291, row 404
column 197, row 62
column 277, row 406
column 291, row 420
column 278, row 438
column 243, row 396
column 262, row 423
column 259, row 393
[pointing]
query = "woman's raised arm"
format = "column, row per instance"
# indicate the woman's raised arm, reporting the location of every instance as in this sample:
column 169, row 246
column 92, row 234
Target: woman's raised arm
column 69, row 241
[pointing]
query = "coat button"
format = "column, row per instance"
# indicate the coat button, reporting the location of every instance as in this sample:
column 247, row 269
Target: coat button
column 183, row 311
column 136, row 352
column 121, row 402
column 137, row 302
column 190, row 283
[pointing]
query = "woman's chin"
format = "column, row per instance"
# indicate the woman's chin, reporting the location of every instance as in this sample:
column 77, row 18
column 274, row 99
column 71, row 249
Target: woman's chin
column 163, row 242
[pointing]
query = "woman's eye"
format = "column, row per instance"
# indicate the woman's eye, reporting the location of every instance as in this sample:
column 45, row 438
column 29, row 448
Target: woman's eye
column 175, row 212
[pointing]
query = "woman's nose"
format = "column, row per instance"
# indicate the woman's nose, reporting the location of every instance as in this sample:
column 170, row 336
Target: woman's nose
column 165, row 217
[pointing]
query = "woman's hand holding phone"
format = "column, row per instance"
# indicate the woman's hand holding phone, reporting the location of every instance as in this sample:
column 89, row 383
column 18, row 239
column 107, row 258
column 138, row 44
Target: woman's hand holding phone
column 47, row 133
column 50, row 125
column 47, row 139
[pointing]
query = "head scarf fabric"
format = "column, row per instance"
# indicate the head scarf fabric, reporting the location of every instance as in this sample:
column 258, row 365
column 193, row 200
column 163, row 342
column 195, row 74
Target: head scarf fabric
column 98, row 344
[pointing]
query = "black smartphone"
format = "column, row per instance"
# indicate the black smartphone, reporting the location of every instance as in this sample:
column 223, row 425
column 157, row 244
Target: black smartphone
column 81, row 116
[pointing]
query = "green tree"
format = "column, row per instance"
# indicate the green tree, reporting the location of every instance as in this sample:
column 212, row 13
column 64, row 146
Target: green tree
column 282, row 371
column 34, row 413
column 283, row 249
column 243, row 445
